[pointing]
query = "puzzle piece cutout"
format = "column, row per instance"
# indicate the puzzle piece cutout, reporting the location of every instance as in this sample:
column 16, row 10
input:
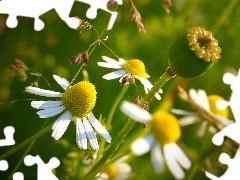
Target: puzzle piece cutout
column 233, row 167
column 231, row 131
column 18, row 176
column 100, row 4
column 3, row 165
column 235, row 97
column 8, row 132
column 44, row 171
column 36, row 8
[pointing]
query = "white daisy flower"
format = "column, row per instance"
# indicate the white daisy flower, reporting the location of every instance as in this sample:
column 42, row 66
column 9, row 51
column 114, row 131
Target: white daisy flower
column 77, row 101
column 127, row 69
column 209, row 103
column 162, row 142
column 117, row 170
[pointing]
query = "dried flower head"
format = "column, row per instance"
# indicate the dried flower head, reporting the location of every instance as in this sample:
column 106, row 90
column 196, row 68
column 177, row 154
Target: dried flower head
column 166, row 5
column 19, row 70
column 79, row 57
column 76, row 59
column 85, row 57
column 137, row 18
column 204, row 44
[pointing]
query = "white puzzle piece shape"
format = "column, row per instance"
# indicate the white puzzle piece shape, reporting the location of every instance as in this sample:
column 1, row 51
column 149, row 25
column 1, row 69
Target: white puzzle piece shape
column 44, row 171
column 3, row 165
column 233, row 167
column 100, row 4
column 36, row 8
column 8, row 132
column 18, row 176
column 232, row 131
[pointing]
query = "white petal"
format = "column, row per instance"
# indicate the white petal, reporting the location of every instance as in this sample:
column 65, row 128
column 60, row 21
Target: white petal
column 102, row 176
column 61, row 124
column 229, row 78
column 157, row 158
column 175, row 157
column 50, row 112
column 135, row 112
column 121, row 159
column 113, row 61
column 147, row 86
column 204, row 99
column 45, row 104
column 185, row 121
column 99, row 128
column 143, row 145
column 202, row 129
column 90, row 134
column 145, row 82
column 200, row 97
column 123, row 171
column 61, row 81
column 81, row 135
column 114, row 75
column 42, row 92
column 110, row 65
column 182, row 112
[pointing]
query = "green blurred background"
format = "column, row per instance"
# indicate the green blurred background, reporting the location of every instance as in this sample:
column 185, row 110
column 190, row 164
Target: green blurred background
column 49, row 51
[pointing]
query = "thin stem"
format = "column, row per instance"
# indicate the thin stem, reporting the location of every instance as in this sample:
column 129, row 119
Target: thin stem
column 158, row 84
column 21, row 159
column 24, row 143
column 24, row 154
column 197, row 163
column 110, row 49
column 114, row 106
column 110, row 116
column 76, row 74
column 225, row 14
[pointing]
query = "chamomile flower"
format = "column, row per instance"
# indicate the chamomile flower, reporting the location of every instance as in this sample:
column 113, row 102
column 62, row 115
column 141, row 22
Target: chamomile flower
column 208, row 103
column 127, row 69
column 117, row 170
column 77, row 101
column 162, row 141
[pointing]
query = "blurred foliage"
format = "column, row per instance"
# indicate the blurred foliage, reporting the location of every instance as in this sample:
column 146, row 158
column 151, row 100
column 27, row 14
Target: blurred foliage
column 48, row 52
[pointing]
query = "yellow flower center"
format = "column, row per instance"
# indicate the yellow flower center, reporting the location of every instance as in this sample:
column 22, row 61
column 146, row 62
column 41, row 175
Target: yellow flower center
column 165, row 127
column 212, row 99
column 204, row 44
column 135, row 67
column 80, row 99
column 110, row 170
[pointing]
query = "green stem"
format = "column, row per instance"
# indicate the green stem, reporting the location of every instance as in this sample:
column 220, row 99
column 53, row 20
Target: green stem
column 110, row 117
column 21, row 160
column 76, row 74
column 108, row 154
column 23, row 156
column 225, row 14
column 126, row 129
column 158, row 84
column 114, row 106
column 194, row 168
column 24, row 143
